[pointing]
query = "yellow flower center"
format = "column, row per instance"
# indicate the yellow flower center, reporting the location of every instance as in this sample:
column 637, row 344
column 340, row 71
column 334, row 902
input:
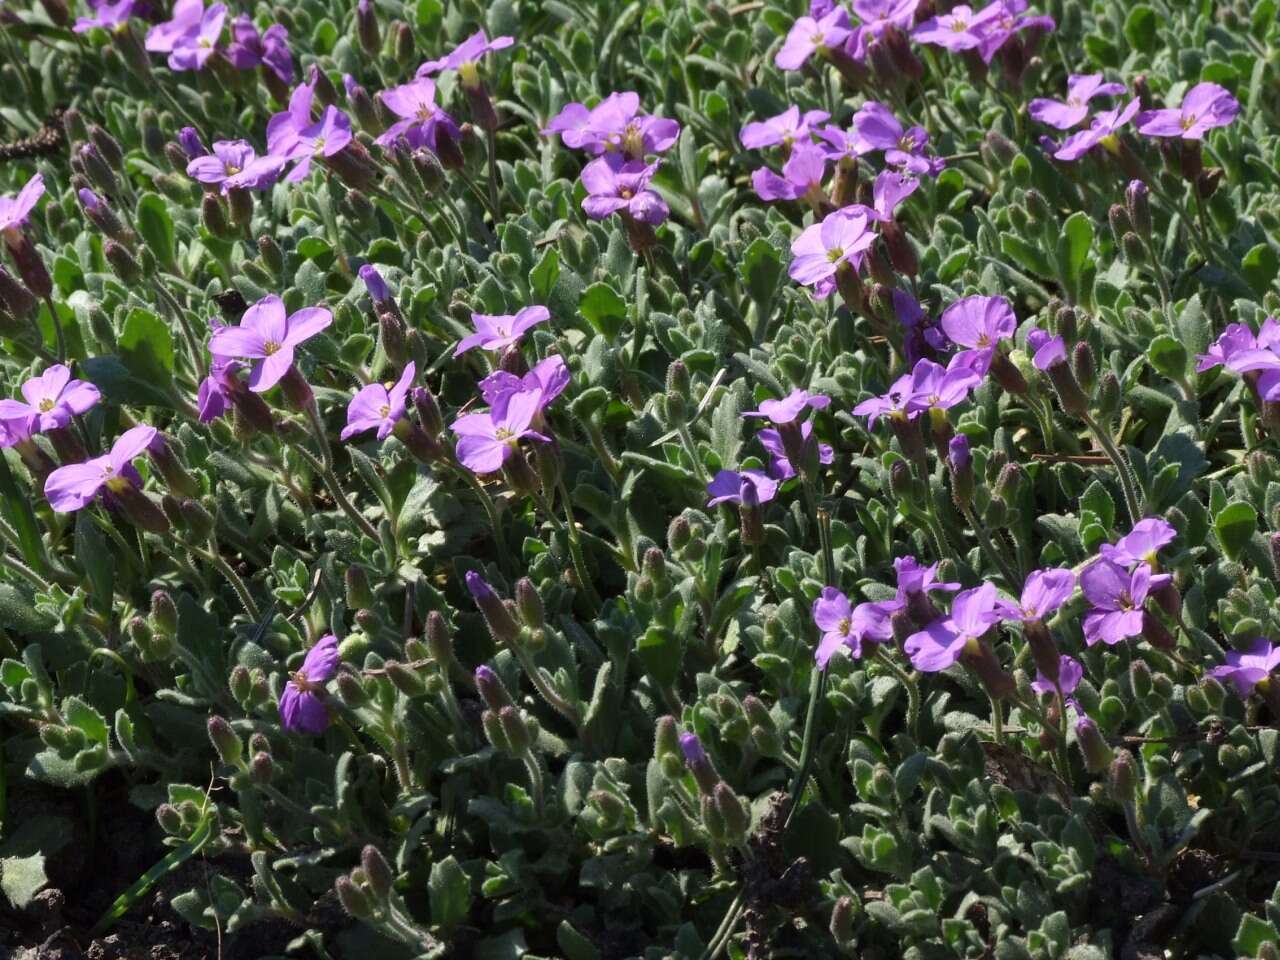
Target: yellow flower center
column 1188, row 121
column 384, row 411
column 46, row 405
column 270, row 347
column 835, row 254
column 844, row 626
column 303, row 682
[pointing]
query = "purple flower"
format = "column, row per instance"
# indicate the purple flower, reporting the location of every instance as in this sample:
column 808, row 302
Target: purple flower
column 189, row 140
column 379, row 292
column 878, row 14
column 549, row 377
column 960, row 29
column 694, row 753
column 615, row 125
column 841, row 237
column 267, row 336
column 193, row 50
column 249, row 49
column 936, row 387
column 420, row 119
column 1081, row 88
column 466, row 56
column 1102, row 130
column 379, row 406
column 187, row 14
column 1117, row 597
column 914, row 579
column 1140, row 544
column 108, row 16
column 15, row 432
column 229, row 158
column 1205, row 106
column 808, row 36
column 499, row 331
column 889, row 190
column 1235, row 339
column 301, row 708
column 291, row 134
column 802, row 176
column 1247, row 668
column 52, row 399
column 880, row 129
column 75, row 486
column 1070, row 673
column 1043, row 593
column 780, row 467
column 613, row 187
column 786, row 128
column 892, row 403
column 215, row 389
column 842, row 144
column 844, row 625
column 487, row 440
column 979, row 323
column 793, row 405
column 14, row 211
column 1046, row 351
column 1007, row 21
column 939, row 645
column 959, row 456
column 727, row 487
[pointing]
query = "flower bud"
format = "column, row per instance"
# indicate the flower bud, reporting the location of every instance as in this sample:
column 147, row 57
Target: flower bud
column 529, row 604
column 107, row 146
column 96, row 168
column 169, row 819
column 499, row 620
column 1120, row 222
column 214, row 216
column 679, row 534
column 402, row 36
column 179, row 481
column 1070, row 397
column 240, row 205
column 353, row 899
column 1207, row 182
column 16, row 297
column 960, row 465
column 1095, row 750
column 1156, row 633
column 199, row 521
column 1108, row 395
column 224, row 740
column 1122, row 779
column 1139, row 207
column 122, row 263
column 351, row 691
column 737, row 819
column 239, row 683
column 405, row 679
column 1086, row 369
column 377, row 871
column 1001, row 148
column 491, row 689
column 699, row 763
column 141, row 510
column 842, row 921
column 367, row 31
column 1134, row 252
column 358, row 592
column 515, row 730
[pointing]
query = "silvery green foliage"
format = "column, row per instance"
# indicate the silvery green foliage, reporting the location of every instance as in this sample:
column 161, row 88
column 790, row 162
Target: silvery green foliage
column 547, row 806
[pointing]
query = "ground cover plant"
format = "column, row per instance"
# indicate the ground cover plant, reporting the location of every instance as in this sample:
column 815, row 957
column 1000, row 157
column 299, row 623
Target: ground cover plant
column 659, row 479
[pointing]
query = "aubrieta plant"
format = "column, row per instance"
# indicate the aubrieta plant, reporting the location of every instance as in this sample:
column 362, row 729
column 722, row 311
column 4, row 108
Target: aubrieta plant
column 565, row 479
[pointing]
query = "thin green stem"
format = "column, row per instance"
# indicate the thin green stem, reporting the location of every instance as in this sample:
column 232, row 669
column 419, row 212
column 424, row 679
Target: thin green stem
column 1128, row 483
column 995, row 556
column 575, row 550
column 58, row 335
column 536, row 785
column 495, row 523
column 691, row 449
column 997, row 718
column 335, row 490
column 233, row 578
column 913, row 690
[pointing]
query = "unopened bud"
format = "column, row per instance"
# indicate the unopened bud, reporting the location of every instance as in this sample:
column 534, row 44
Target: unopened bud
column 224, row 740
column 1085, row 366
column 1138, row 207
column 491, row 689
column 515, row 730
column 377, row 871
column 737, row 819
column 1097, row 754
column 353, row 899
column 122, row 263
column 1122, row 780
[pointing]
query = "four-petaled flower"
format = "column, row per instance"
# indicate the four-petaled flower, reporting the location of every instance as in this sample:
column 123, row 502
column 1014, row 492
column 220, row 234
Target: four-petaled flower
column 613, row 187
column 302, row 708
column 193, row 50
column 785, row 129
column 979, row 323
column 791, row 406
column 466, row 56
column 52, row 399
column 487, row 440
column 614, row 126
column 1140, row 544
column 421, row 120
column 844, row 625
column 14, row 211
column 499, row 331
column 267, row 336
column 841, row 237
column 1118, row 597
column 75, row 485
column 809, row 35
column 1043, row 593
column 1205, row 106
column 109, row 16
column 1081, row 88
column 234, row 163
column 903, row 147
column 379, row 406
column 939, row 645
column 1070, row 673
column 727, row 486
column 1245, row 669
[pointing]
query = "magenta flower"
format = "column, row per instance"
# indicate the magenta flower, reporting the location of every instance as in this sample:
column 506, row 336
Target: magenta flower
column 1043, row 593
column 1081, row 88
column 1102, row 130
column 1205, row 106
column 790, row 407
column 727, row 486
column 249, row 48
column 499, row 331
column 234, row 163
column 881, row 130
column 802, row 176
column 549, row 377
column 1245, row 669
column 914, row 579
column 111, row 17
column 1008, row 21
column 215, row 389
column 891, row 187
column 187, row 15
column 840, row 144
column 876, row 15
column 1140, row 544
column 936, row 387
column 75, row 486
column 614, row 125
column 817, row 253
column 378, row 406
column 1118, row 598
column 844, row 625
column 939, row 645
column 1046, row 351
column 1237, row 338
column 420, row 119
column 267, row 336
column 979, row 323
column 52, row 399
column 193, row 50
column 892, row 403
column 1070, row 673
column 613, row 188
column 786, row 128
column 15, row 432
column 302, row 708
column 780, row 466
column 487, row 440
column 466, row 56
column 291, row 135
column 809, row 36
column 960, row 29
column 15, row 211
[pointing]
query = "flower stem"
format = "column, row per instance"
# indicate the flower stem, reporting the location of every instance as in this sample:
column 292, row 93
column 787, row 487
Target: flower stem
column 499, row 540
column 58, row 335
column 340, row 498
column 913, row 690
column 575, row 551
column 995, row 556
column 1128, row 483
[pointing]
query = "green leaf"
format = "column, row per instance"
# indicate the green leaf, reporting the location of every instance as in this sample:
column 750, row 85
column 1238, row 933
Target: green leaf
column 156, row 227
column 1260, row 266
column 449, row 888
column 1235, row 525
column 1073, row 252
column 95, row 556
column 761, row 270
column 1140, row 28
column 1168, row 357
column 1193, row 327
column 603, row 308
column 1097, row 501
column 120, row 386
column 146, row 347
column 18, row 614
column 659, row 649
column 21, row 878
column 15, row 504
column 85, row 718
column 543, row 277
column 1252, row 934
